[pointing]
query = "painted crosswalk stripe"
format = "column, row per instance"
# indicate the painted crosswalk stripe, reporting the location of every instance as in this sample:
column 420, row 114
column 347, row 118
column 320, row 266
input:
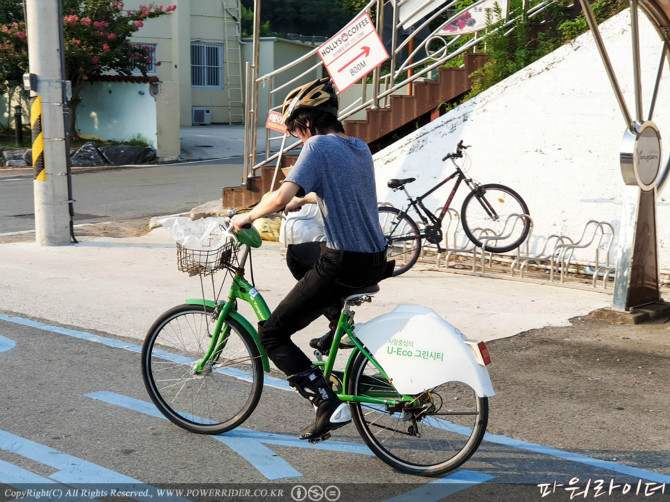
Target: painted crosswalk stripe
column 70, row 470
column 444, row 487
column 247, row 443
column 6, row 344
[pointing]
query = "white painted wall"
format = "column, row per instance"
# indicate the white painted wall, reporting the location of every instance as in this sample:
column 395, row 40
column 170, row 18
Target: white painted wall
column 552, row 132
column 118, row 111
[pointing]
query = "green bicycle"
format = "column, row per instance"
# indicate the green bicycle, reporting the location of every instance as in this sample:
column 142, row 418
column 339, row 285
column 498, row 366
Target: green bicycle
column 203, row 367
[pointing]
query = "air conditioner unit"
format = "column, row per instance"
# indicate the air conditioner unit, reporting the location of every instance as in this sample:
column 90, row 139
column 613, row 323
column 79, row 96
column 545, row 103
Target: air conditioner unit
column 202, row 116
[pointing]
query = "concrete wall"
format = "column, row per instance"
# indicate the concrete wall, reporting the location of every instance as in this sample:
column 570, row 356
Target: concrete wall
column 552, row 132
column 122, row 110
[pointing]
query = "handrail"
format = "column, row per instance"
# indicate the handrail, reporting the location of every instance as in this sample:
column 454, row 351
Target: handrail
column 391, row 82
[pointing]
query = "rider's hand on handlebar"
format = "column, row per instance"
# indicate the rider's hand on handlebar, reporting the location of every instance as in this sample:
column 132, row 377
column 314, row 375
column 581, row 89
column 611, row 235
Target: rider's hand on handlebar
column 241, row 222
column 295, row 204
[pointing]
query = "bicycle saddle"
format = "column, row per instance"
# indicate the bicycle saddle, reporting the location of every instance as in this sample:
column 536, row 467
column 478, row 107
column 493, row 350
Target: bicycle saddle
column 366, row 291
column 399, row 183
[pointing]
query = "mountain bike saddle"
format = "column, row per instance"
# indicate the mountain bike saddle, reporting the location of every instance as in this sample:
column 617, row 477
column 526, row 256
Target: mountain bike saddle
column 394, row 183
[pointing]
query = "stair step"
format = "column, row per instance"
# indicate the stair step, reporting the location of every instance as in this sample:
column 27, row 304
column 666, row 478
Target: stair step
column 453, row 83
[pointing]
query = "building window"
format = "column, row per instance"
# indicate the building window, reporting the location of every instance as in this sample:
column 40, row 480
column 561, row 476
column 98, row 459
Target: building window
column 206, row 65
column 149, row 65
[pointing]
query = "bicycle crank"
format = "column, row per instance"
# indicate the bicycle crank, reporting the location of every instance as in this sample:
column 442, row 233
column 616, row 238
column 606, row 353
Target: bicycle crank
column 433, row 234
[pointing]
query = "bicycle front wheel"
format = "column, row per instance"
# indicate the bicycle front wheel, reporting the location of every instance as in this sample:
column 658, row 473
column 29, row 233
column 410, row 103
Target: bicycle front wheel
column 487, row 212
column 435, row 433
column 211, row 400
column 402, row 237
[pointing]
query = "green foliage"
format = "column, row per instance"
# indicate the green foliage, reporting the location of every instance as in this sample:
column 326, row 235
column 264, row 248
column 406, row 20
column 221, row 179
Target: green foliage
column 526, row 43
column 11, row 11
column 13, row 51
column 313, row 17
column 602, row 9
column 247, row 24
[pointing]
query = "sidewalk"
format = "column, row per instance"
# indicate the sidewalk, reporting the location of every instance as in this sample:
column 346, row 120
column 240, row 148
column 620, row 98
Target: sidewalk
column 118, row 286
column 219, row 141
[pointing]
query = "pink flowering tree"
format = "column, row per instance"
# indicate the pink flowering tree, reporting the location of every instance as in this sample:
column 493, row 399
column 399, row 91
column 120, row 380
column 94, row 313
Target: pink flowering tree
column 13, row 63
column 96, row 35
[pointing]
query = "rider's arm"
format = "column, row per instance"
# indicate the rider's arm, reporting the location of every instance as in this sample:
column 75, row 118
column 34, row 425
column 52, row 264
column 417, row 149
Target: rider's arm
column 271, row 203
column 297, row 202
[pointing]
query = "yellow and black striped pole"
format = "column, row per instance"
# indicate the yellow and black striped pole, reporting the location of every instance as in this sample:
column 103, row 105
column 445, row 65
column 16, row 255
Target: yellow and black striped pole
column 38, row 139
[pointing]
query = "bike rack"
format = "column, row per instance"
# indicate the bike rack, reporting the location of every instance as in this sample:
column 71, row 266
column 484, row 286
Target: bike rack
column 605, row 233
column 512, row 219
column 598, row 234
column 543, row 256
column 449, row 234
column 453, row 250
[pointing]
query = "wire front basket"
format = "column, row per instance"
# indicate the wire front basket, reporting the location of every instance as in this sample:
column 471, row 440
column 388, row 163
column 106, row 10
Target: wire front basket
column 207, row 261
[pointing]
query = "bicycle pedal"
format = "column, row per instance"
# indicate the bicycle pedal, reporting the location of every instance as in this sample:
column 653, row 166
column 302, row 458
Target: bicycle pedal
column 320, row 438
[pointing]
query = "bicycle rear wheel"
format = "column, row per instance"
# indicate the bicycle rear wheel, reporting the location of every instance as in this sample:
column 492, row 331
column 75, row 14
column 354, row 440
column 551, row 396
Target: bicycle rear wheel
column 402, row 236
column 487, row 211
column 211, row 401
column 434, row 434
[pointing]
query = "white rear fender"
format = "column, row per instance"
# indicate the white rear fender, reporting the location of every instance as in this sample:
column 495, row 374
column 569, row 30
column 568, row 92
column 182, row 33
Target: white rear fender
column 419, row 350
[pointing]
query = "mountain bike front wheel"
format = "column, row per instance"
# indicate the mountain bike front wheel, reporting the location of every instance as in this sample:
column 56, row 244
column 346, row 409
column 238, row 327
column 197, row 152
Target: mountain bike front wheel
column 402, row 237
column 208, row 398
column 492, row 216
column 431, row 435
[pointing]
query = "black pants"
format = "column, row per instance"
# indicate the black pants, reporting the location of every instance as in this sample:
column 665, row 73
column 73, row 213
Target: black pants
column 325, row 278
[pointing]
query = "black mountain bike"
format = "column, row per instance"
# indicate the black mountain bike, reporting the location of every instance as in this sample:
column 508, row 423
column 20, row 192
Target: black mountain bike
column 492, row 216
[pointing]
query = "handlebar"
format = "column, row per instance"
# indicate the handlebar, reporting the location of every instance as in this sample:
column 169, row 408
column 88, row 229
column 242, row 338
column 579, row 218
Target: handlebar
column 458, row 153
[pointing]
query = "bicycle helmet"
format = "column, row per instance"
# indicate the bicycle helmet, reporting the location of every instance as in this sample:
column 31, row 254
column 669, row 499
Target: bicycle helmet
column 319, row 94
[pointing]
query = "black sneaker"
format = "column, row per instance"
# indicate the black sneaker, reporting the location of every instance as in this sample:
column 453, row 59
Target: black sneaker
column 324, row 343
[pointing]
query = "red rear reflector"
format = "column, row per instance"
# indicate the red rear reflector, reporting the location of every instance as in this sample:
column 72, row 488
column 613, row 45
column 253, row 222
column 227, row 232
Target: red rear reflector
column 485, row 353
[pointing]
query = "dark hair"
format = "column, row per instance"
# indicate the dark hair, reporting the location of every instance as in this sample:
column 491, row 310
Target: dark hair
column 320, row 122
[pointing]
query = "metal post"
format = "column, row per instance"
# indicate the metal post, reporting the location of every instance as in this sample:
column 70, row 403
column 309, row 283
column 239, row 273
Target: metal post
column 45, row 53
column 376, row 74
column 255, row 73
column 18, row 125
column 593, row 25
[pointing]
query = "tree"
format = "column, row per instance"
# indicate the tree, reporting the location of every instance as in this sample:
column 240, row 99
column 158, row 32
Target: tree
column 11, row 11
column 96, row 38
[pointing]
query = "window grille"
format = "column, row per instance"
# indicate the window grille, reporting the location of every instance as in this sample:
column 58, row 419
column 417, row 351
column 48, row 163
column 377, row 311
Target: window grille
column 206, row 65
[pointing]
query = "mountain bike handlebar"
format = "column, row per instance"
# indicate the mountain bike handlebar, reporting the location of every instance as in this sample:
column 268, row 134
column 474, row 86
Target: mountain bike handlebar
column 458, row 153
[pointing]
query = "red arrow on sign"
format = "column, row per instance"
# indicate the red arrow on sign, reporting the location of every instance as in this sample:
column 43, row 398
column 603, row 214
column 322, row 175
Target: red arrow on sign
column 365, row 51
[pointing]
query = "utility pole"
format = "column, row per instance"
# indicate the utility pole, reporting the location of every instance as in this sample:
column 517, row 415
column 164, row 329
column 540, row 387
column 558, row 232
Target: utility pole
column 44, row 21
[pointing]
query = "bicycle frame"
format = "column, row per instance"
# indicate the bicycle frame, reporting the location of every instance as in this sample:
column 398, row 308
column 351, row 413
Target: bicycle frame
column 241, row 289
column 418, row 205
column 346, row 326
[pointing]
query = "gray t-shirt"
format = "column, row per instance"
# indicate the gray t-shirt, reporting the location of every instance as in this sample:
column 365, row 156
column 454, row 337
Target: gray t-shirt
column 341, row 173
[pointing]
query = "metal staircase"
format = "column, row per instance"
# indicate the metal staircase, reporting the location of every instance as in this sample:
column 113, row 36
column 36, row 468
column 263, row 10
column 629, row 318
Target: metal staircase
column 430, row 73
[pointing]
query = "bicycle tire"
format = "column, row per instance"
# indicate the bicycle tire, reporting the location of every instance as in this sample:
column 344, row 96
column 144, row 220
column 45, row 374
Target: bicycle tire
column 436, row 445
column 478, row 224
column 213, row 401
column 402, row 237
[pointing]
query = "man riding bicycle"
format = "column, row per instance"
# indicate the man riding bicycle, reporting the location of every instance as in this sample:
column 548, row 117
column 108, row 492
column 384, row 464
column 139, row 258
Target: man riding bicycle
column 336, row 172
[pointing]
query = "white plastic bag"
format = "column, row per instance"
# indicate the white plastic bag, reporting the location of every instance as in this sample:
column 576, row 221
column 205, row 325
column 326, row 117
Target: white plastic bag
column 200, row 235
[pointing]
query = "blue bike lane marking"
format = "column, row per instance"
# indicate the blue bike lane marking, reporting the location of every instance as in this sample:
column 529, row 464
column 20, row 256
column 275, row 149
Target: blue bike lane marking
column 6, row 344
column 71, row 471
column 249, row 444
column 283, row 385
column 277, row 383
column 443, row 487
